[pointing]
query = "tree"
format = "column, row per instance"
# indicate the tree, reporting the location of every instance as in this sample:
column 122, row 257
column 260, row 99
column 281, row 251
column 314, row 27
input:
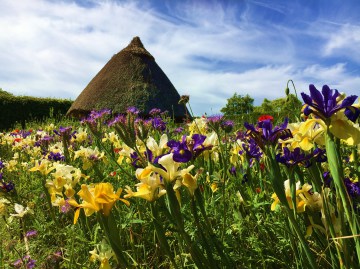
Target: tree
column 288, row 107
column 238, row 107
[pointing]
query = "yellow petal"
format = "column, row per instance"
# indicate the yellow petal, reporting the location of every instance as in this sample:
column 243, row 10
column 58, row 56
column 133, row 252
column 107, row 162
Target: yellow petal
column 345, row 130
column 76, row 215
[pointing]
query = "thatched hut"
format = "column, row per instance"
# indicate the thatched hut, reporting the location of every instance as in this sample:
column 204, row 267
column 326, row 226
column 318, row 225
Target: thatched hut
column 130, row 78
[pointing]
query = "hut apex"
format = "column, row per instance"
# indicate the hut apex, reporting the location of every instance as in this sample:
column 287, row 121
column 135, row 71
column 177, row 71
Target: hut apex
column 130, row 78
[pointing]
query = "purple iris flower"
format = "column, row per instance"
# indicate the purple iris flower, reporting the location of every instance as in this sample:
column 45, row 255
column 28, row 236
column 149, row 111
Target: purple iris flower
column 198, row 146
column 232, row 171
column 252, row 149
column 56, row 156
column 181, row 152
column 319, row 155
column 265, row 134
column 7, row 187
column 353, row 188
column 149, row 155
column 292, row 158
column 45, row 141
column 65, row 132
column 324, row 104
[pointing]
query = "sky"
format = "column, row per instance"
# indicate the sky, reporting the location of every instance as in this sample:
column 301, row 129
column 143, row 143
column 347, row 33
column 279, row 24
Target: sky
column 209, row 50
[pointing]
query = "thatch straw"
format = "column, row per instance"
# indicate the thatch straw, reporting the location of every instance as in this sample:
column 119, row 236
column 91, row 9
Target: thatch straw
column 130, row 78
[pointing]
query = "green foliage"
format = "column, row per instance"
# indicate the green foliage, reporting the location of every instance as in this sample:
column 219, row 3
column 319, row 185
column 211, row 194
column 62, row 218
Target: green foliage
column 241, row 109
column 280, row 108
column 21, row 109
column 238, row 107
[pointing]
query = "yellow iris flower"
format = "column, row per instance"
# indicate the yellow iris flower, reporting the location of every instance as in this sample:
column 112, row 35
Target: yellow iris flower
column 172, row 171
column 150, row 187
column 303, row 198
column 95, row 198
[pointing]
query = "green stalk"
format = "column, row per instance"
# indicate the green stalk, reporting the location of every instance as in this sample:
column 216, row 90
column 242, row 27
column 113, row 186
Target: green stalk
column 112, row 234
column 214, row 240
column 48, row 199
column 200, row 230
column 197, row 256
column 161, row 235
column 336, row 170
column 278, row 185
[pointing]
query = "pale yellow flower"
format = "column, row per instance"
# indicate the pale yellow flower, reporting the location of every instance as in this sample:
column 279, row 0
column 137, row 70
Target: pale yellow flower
column 172, row 171
column 150, row 187
column 44, row 167
column 102, row 253
column 3, row 206
column 21, row 211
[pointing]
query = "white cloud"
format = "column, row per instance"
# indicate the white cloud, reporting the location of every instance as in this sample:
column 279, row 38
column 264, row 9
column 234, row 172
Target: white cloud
column 344, row 41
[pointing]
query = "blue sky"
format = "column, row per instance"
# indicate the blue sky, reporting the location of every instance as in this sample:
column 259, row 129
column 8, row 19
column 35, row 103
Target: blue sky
column 208, row 49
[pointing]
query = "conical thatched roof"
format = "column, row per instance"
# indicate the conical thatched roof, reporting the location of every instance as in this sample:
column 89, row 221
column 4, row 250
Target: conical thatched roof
column 130, row 78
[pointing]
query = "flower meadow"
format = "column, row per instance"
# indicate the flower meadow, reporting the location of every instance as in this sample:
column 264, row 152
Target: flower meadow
column 124, row 191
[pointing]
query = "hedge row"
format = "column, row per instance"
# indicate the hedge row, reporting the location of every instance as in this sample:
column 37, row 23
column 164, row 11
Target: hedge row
column 20, row 109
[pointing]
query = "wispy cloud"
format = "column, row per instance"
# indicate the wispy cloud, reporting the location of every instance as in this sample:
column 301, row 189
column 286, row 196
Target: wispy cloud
column 208, row 49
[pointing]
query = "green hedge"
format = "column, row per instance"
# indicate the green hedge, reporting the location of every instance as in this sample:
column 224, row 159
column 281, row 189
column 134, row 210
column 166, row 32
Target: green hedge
column 20, row 109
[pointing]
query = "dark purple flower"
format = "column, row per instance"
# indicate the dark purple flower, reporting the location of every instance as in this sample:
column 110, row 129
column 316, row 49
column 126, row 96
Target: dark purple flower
column 265, row 134
column 56, row 156
column 292, row 158
column 1, row 165
column 232, row 171
column 319, row 155
column 63, row 131
column 7, row 187
column 252, row 149
column 327, row 179
column 324, row 104
column 353, row 188
column 136, row 161
column 149, row 155
column 181, row 151
column 198, row 146
column 44, row 141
